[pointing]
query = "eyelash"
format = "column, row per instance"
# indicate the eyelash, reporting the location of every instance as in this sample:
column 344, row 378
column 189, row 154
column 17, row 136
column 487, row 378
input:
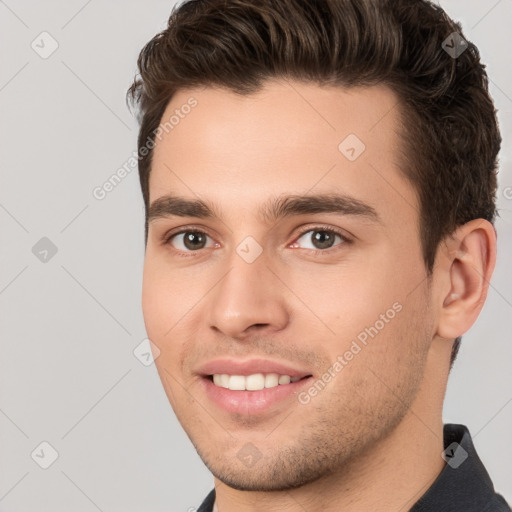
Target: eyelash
column 345, row 240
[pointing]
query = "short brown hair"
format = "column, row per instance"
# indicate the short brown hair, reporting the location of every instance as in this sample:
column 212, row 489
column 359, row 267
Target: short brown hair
column 452, row 137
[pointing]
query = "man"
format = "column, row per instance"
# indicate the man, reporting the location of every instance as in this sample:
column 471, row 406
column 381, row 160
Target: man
column 319, row 179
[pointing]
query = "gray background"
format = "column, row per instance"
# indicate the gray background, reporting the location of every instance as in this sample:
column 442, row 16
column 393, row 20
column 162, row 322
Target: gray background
column 68, row 375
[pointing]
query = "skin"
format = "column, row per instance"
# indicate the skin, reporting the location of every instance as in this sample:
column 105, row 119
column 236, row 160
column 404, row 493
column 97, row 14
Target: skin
column 372, row 438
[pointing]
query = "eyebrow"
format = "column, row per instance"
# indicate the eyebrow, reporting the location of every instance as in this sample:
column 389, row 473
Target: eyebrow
column 273, row 210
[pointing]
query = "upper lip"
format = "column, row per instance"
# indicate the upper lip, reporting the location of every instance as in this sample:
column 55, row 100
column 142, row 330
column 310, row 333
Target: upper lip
column 249, row 367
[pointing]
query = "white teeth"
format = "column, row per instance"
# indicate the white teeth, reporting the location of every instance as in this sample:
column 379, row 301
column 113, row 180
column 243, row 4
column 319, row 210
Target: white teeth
column 254, row 382
column 237, row 382
column 284, row 379
column 221, row 380
column 224, row 380
column 271, row 380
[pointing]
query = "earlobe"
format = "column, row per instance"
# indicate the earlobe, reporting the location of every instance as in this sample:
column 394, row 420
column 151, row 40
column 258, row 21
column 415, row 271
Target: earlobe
column 467, row 261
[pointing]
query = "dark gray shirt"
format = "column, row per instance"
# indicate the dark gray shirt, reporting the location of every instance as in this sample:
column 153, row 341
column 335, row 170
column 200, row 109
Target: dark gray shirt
column 463, row 486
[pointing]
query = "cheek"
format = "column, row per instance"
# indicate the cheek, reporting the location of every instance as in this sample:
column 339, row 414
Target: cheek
column 364, row 313
column 166, row 297
column 158, row 304
column 154, row 304
column 346, row 299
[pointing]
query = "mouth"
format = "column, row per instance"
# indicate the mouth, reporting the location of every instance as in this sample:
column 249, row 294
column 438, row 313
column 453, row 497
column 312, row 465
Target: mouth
column 252, row 386
column 253, row 382
column 254, row 394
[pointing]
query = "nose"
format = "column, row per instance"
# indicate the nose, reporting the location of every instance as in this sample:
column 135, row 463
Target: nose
column 251, row 297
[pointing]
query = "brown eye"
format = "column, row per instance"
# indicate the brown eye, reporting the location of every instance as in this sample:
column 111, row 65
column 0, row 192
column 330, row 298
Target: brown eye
column 320, row 239
column 188, row 240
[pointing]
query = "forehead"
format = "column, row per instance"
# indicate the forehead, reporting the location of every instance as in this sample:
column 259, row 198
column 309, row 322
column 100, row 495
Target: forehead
column 288, row 138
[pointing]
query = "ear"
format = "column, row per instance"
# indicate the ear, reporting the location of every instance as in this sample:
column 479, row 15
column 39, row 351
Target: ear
column 465, row 265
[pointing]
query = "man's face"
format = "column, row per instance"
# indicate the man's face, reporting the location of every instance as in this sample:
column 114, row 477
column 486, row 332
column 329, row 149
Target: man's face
column 336, row 300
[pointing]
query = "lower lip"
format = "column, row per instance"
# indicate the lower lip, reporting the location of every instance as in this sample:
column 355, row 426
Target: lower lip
column 251, row 402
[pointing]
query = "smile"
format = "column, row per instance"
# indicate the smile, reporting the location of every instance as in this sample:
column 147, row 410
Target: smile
column 254, row 382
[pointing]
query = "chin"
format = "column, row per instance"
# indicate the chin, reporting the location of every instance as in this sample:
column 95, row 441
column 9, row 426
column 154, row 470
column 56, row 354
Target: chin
column 283, row 473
